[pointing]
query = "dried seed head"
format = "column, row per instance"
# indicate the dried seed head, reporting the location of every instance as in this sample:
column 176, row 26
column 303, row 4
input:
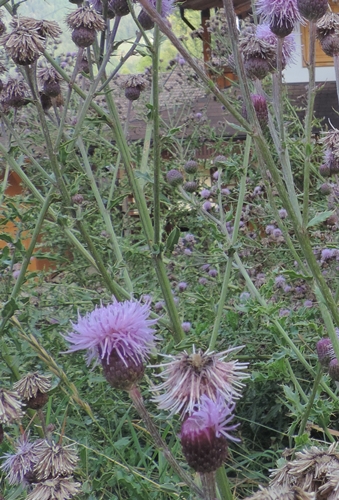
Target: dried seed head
column 23, row 45
column 54, row 460
column 10, row 407
column 314, row 470
column 330, row 44
column 33, row 389
column 59, row 488
column 15, row 94
column 189, row 376
column 328, row 25
column 135, row 81
column 50, row 80
column 85, row 17
column 259, row 55
column 83, row 37
column 282, row 493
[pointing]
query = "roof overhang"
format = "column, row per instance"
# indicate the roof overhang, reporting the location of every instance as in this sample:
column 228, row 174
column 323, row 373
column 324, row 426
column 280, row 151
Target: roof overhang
column 240, row 6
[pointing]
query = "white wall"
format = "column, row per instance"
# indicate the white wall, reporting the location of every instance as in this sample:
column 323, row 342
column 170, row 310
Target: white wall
column 295, row 73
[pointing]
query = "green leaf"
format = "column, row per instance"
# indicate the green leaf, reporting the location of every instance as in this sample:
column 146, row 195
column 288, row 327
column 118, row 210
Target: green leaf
column 6, row 237
column 9, row 308
column 172, row 239
column 320, row 218
column 146, row 177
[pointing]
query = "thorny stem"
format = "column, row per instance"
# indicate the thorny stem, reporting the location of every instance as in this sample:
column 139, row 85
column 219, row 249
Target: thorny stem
column 242, row 191
column 336, row 69
column 105, row 215
column 156, row 129
column 308, row 122
column 312, row 396
column 209, row 485
column 138, row 402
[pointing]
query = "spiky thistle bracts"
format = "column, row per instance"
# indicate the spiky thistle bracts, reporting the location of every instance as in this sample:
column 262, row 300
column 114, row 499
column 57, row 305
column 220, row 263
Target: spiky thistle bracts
column 189, row 376
column 281, row 15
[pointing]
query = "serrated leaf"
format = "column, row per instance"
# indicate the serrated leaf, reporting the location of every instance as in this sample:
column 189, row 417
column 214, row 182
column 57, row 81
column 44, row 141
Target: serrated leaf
column 9, row 308
column 319, row 218
column 146, row 177
column 172, row 239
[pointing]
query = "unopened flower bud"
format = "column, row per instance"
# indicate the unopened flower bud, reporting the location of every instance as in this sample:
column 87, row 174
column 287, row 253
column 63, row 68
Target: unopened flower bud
column 174, row 177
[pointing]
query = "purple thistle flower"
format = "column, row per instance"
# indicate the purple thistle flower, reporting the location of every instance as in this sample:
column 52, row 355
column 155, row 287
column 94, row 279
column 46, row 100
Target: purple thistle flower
column 269, row 229
column 203, row 281
column 186, row 326
column 205, row 267
column 244, row 296
column 280, row 281
column 282, row 213
column 158, row 306
column 308, row 304
column 189, row 238
column 277, row 233
column 188, row 376
column 213, row 273
column 284, row 312
column 216, row 175
column 187, row 251
column 326, row 254
column 287, row 289
column 182, row 286
column 207, row 206
column 325, row 351
column 20, row 465
column 206, row 431
column 166, row 8
column 205, row 193
column 121, row 326
column 289, row 45
column 225, row 191
column 281, row 15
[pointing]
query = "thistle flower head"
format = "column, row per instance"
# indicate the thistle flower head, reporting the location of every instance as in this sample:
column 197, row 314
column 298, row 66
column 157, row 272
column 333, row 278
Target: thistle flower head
column 20, row 464
column 187, row 377
column 58, row 488
column 122, row 327
column 282, row 493
column 167, row 6
column 42, row 27
column 312, row 10
column 265, row 33
column 49, row 75
column 15, row 93
column 174, row 177
column 281, row 15
column 32, row 389
column 85, row 17
column 314, row 470
column 54, row 460
column 331, row 142
column 191, row 167
column 328, row 24
column 259, row 55
column 205, row 432
column 24, row 45
column 10, row 407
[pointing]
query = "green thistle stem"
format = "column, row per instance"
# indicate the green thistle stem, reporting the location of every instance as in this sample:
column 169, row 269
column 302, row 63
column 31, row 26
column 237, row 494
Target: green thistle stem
column 224, row 484
column 209, row 485
column 139, row 405
column 308, row 122
column 313, row 394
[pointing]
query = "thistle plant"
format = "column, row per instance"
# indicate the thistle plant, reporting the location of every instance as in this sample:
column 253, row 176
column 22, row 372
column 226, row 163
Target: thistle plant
column 191, row 234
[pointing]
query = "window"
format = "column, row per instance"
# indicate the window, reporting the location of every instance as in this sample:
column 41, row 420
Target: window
column 321, row 59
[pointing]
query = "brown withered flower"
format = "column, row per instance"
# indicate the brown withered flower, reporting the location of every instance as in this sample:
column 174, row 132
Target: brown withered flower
column 50, row 80
column 58, row 488
column 54, row 460
column 85, row 22
column 259, row 55
column 24, row 44
column 2, row 25
column 33, row 388
column 15, row 94
column 133, row 86
column 282, row 493
column 328, row 33
column 44, row 28
column 314, row 470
